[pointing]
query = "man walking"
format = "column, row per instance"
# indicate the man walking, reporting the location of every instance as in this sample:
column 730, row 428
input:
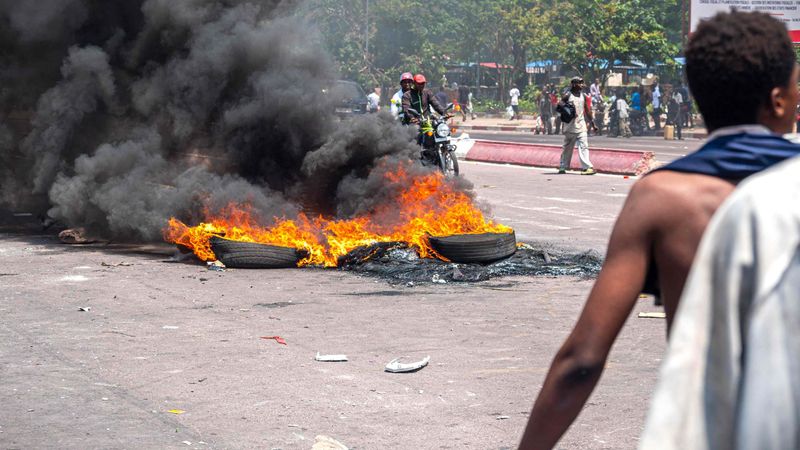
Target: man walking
column 514, row 94
column 576, row 131
column 624, row 114
column 465, row 102
column 656, row 107
column 546, row 111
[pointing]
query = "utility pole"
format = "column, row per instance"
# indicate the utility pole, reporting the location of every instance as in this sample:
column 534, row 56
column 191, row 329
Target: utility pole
column 366, row 33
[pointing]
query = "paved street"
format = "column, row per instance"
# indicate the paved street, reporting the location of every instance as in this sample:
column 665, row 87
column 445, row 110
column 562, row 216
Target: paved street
column 665, row 150
column 162, row 336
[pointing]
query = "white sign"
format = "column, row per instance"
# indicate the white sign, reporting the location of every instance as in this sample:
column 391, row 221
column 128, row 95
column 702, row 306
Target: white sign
column 786, row 10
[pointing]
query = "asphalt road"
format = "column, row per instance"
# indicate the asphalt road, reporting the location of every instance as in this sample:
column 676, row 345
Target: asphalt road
column 170, row 355
column 665, row 150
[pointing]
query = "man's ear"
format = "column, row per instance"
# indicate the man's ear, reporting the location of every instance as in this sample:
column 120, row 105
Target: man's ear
column 778, row 102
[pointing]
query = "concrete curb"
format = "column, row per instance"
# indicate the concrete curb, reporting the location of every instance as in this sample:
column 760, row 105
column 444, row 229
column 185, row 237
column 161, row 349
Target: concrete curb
column 621, row 162
column 523, row 129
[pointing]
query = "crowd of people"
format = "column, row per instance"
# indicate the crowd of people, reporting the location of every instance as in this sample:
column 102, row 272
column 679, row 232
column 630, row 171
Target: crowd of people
column 625, row 112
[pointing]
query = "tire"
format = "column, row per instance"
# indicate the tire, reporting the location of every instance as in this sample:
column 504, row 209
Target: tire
column 251, row 255
column 448, row 163
column 475, row 248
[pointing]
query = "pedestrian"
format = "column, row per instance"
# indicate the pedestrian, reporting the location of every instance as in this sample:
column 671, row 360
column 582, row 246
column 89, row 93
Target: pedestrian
column 546, row 110
column 674, row 112
column 594, row 90
column 553, row 103
column 686, row 107
column 465, row 102
column 656, row 106
column 576, row 131
column 599, row 115
column 514, row 94
column 658, row 230
column 442, row 96
column 636, row 101
column 374, row 99
column 624, row 114
column 396, row 104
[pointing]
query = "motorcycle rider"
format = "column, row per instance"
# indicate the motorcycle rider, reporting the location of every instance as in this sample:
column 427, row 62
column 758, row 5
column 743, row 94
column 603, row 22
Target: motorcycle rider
column 406, row 82
column 421, row 100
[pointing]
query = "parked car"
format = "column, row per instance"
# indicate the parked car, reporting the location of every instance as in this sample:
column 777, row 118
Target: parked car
column 349, row 98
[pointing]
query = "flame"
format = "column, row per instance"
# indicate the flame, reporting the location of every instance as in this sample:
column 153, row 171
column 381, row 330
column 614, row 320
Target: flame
column 430, row 206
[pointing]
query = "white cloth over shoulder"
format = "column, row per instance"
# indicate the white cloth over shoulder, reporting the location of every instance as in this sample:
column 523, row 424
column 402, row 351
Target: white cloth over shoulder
column 731, row 377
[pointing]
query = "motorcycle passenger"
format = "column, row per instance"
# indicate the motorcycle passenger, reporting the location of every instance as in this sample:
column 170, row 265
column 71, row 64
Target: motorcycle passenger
column 421, row 100
column 406, row 82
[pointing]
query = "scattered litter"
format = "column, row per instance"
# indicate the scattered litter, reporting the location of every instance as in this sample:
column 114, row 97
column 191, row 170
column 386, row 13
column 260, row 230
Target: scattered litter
column 186, row 442
column 278, row 339
column 120, row 264
column 176, row 411
column 216, row 266
column 74, row 278
column 503, row 417
column 410, row 284
column 169, row 327
column 322, row 442
column 652, row 315
column 436, row 279
column 75, row 236
column 330, row 358
column 293, row 425
column 625, row 177
column 395, row 366
column 85, row 308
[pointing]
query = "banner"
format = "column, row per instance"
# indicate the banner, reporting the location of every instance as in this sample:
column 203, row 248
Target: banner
column 786, row 10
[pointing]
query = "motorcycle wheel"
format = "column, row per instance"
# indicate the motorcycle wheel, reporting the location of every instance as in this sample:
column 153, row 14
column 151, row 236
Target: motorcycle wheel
column 448, row 163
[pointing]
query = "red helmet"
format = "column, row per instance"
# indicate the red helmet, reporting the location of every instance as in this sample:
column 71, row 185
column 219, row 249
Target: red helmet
column 419, row 78
column 406, row 76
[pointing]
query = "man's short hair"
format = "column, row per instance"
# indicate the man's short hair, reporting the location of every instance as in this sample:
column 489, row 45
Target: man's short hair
column 733, row 61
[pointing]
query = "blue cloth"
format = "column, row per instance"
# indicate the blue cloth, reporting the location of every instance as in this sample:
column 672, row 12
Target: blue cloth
column 636, row 101
column 737, row 156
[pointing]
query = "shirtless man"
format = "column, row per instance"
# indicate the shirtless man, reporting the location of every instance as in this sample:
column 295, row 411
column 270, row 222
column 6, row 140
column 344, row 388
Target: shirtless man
column 666, row 212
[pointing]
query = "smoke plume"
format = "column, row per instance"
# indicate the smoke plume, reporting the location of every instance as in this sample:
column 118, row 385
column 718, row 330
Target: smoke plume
column 118, row 114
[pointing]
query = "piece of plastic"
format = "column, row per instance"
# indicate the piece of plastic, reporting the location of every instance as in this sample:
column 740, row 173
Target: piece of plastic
column 176, row 411
column 330, row 358
column 395, row 366
column 277, row 339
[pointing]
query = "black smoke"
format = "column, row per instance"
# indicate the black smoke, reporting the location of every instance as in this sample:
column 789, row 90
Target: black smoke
column 117, row 114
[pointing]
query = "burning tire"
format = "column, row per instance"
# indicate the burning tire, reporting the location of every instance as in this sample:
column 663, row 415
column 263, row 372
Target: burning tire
column 250, row 255
column 475, row 248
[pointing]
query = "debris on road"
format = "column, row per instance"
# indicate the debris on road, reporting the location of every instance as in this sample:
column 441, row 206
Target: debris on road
column 75, row 236
column 277, row 339
column 322, row 442
column 395, row 366
column 503, row 417
column 119, row 264
column 85, row 308
column 652, row 315
column 176, row 411
column 330, row 358
column 216, row 266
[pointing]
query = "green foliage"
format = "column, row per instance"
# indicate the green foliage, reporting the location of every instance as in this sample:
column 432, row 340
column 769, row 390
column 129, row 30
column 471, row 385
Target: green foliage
column 423, row 36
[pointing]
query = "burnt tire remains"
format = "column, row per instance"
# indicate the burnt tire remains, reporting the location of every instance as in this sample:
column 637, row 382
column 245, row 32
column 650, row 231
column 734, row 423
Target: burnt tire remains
column 475, row 248
column 251, row 255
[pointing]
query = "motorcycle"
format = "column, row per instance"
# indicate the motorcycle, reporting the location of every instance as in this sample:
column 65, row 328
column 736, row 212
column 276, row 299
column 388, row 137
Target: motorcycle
column 434, row 138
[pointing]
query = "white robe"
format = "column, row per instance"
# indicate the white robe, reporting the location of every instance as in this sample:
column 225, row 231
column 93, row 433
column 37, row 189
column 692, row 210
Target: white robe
column 731, row 376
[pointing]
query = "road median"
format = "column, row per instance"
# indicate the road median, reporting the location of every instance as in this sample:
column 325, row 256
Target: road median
column 605, row 160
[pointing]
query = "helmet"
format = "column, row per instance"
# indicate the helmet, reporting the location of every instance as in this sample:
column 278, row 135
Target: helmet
column 406, row 76
column 419, row 78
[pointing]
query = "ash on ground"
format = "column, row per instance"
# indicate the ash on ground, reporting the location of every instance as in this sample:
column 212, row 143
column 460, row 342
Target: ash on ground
column 397, row 263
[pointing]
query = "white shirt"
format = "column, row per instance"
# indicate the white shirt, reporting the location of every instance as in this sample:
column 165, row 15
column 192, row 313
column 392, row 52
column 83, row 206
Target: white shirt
column 578, row 125
column 678, row 97
column 656, row 97
column 374, row 101
column 514, row 94
column 731, row 376
column 622, row 107
column 396, row 103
